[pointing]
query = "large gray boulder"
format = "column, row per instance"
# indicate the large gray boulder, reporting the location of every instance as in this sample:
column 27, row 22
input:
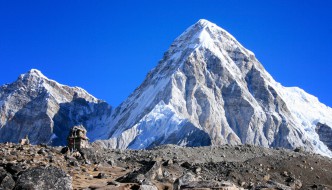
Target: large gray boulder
column 6, row 180
column 44, row 178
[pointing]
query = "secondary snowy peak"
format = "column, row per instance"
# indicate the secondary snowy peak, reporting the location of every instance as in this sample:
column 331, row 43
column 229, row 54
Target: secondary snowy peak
column 45, row 110
column 210, row 88
column 35, row 79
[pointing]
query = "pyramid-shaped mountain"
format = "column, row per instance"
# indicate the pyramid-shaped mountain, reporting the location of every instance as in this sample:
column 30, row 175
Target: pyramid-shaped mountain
column 210, row 90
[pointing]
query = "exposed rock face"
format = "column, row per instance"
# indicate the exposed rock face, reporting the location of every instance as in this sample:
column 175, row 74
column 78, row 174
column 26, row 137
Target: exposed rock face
column 46, row 110
column 209, row 89
column 325, row 134
column 44, row 178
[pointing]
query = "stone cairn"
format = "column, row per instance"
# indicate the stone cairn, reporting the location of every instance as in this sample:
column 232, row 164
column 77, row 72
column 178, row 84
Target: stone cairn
column 25, row 141
column 77, row 139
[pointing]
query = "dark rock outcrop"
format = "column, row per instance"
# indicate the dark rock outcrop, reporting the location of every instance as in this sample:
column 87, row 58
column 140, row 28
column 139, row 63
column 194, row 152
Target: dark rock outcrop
column 44, row 178
column 6, row 180
column 325, row 134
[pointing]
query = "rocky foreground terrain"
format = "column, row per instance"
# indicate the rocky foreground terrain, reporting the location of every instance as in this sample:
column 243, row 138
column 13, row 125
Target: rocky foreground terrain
column 164, row 167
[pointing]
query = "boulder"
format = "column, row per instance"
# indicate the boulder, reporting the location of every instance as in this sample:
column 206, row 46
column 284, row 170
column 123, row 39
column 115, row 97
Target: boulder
column 13, row 168
column 6, row 180
column 44, row 178
column 101, row 176
column 148, row 187
column 183, row 180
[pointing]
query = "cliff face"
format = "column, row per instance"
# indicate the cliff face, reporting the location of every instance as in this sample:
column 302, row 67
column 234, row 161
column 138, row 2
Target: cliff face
column 45, row 110
column 325, row 134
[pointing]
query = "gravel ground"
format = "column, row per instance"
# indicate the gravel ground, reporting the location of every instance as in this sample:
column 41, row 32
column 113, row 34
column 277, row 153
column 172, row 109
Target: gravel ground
column 169, row 167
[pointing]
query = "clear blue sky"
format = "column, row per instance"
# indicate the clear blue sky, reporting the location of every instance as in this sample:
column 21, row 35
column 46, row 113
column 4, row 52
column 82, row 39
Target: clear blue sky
column 108, row 47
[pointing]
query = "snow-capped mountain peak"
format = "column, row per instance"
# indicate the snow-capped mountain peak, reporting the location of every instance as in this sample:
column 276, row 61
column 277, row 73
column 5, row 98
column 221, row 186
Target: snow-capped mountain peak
column 204, row 22
column 35, row 72
column 216, row 89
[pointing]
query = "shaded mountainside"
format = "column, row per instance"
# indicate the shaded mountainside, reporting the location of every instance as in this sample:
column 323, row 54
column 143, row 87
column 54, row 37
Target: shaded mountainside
column 325, row 134
column 45, row 110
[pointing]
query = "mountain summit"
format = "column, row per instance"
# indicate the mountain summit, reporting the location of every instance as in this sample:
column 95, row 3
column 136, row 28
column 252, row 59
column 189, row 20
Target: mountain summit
column 210, row 90
column 207, row 90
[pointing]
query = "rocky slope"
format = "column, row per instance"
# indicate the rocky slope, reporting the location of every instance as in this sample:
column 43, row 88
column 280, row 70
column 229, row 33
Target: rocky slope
column 209, row 90
column 45, row 110
column 167, row 167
